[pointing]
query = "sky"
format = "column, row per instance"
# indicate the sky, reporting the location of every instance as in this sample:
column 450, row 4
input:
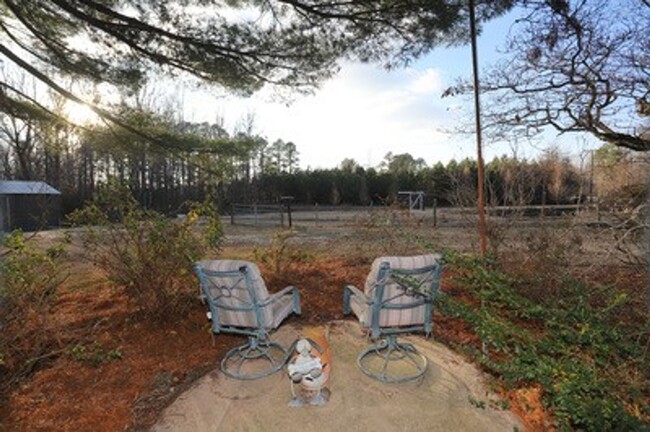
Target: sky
column 365, row 111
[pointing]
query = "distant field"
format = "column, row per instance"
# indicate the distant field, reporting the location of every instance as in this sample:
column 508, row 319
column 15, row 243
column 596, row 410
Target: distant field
column 585, row 238
column 513, row 230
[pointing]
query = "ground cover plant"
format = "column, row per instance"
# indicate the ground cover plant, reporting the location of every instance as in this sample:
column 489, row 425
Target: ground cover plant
column 584, row 343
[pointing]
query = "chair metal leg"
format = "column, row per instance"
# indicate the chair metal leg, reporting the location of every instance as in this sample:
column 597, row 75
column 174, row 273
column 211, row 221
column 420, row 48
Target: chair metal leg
column 256, row 359
column 391, row 361
column 295, row 297
column 346, row 301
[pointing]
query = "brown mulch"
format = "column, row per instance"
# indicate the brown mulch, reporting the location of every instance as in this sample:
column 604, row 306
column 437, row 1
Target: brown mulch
column 527, row 403
column 79, row 394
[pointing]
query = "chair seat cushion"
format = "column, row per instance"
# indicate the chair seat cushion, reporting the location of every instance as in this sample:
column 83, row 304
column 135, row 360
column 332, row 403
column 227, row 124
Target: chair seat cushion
column 395, row 294
column 282, row 307
column 360, row 309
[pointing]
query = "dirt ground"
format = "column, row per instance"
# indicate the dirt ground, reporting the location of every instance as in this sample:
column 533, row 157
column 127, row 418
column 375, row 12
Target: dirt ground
column 450, row 396
column 137, row 368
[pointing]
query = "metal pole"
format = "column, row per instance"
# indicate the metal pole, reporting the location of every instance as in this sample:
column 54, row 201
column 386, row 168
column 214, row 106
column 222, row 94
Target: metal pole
column 482, row 226
column 647, row 257
column 591, row 179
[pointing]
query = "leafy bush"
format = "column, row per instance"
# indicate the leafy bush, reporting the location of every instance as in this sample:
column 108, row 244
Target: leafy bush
column 30, row 278
column 573, row 341
column 148, row 254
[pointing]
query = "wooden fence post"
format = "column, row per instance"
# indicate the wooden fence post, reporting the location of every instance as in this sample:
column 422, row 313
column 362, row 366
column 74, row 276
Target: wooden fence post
column 289, row 214
column 435, row 212
column 281, row 215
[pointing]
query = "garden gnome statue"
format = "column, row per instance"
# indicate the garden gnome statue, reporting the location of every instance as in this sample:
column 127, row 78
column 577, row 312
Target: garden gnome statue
column 309, row 370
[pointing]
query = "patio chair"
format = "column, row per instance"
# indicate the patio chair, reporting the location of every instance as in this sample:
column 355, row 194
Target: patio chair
column 397, row 298
column 239, row 303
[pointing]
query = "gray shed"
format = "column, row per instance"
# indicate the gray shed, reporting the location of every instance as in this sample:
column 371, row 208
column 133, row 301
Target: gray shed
column 28, row 205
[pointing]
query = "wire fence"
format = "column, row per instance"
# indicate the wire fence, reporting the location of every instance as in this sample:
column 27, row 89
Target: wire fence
column 284, row 215
column 260, row 215
column 287, row 216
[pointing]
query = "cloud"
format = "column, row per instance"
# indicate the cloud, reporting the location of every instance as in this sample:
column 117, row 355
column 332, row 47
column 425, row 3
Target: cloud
column 363, row 113
column 427, row 82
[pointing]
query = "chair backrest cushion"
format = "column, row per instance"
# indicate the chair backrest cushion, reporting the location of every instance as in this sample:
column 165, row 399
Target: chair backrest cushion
column 394, row 292
column 229, row 288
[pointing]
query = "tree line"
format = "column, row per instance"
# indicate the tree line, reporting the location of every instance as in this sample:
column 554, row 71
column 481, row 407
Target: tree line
column 165, row 163
column 610, row 175
column 552, row 179
column 170, row 161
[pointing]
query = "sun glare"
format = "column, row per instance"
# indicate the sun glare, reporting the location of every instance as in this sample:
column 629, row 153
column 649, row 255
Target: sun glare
column 80, row 114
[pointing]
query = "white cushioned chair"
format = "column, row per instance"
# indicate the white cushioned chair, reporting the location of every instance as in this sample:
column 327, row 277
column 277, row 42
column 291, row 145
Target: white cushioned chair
column 397, row 298
column 240, row 303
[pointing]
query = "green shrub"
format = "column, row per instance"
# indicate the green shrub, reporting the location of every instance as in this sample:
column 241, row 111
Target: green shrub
column 148, row 254
column 30, row 278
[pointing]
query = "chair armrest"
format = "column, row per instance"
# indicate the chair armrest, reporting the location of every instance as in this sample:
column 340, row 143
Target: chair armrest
column 357, row 292
column 273, row 297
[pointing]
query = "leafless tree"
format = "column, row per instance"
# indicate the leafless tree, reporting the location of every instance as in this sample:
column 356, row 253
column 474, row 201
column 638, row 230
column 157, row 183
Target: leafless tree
column 574, row 66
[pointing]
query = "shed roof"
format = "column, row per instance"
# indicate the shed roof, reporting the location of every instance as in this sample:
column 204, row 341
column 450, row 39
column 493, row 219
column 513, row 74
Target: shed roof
column 19, row 187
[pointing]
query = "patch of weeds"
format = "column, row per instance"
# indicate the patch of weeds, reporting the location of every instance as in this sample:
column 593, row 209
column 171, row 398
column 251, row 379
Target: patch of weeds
column 281, row 254
column 573, row 341
column 500, row 404
column 390, row 231
column 29, row 276
column 94, row 354
column 476, row 403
